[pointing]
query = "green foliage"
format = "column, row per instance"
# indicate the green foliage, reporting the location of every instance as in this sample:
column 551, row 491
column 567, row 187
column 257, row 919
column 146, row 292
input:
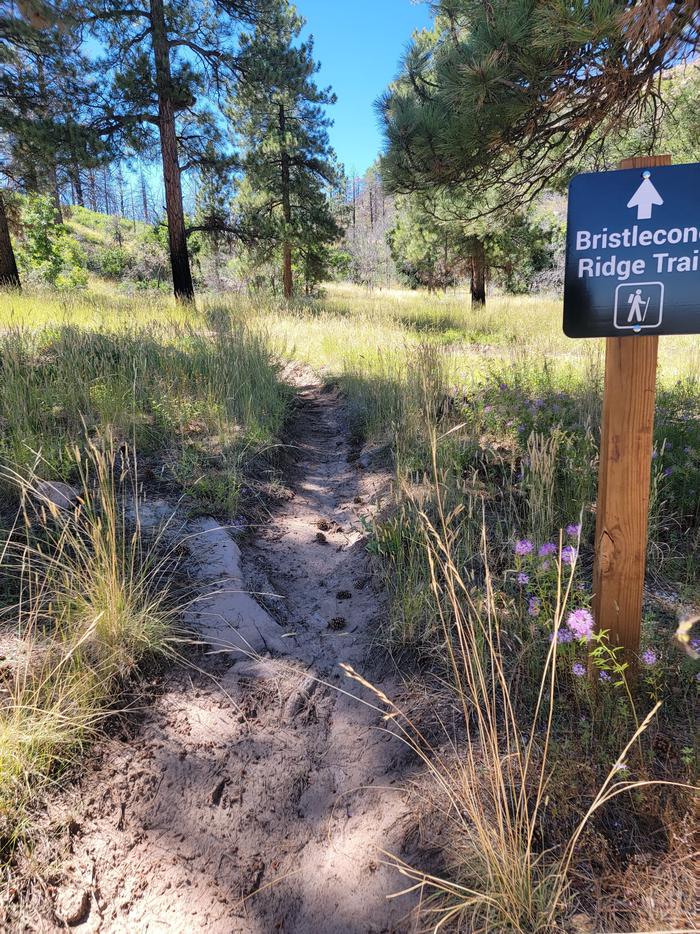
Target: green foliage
column 288, row 164
column 435, row 238
column 157, row 386
column 48, row 96
column 113, row 262
column 505, row 95
column 46, row 251
column 425, row 252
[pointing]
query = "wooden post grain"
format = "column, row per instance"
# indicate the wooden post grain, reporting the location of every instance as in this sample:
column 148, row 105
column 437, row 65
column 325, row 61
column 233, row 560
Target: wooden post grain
column 622, row 518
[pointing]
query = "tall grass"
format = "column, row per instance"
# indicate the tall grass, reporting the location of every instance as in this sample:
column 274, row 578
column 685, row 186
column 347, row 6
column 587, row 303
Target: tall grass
column 202, row 395
column 493, row 776
column 92, row 603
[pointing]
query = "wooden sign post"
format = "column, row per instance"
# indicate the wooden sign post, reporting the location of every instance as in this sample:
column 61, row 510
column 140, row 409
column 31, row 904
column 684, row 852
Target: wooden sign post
column 627, row 438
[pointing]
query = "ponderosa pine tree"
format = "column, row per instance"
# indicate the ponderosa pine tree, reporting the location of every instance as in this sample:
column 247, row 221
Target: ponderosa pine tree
column 166, row 56
column 506, row 94
column 47, row 90
column 279, row 122
column 436, row 241
column 45, row 110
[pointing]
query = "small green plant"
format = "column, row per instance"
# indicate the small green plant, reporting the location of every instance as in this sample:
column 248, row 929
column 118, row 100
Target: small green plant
column 45, row 250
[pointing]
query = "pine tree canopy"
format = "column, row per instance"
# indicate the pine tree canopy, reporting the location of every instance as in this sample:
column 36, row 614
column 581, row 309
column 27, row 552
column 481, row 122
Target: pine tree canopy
column 504, row 95
column 47, row 98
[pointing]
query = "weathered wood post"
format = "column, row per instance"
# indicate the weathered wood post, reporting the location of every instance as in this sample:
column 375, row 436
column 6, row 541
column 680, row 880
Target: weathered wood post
column 622, row 517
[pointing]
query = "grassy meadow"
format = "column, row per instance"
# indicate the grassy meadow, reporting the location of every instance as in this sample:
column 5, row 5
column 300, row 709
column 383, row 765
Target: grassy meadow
column 490, row 420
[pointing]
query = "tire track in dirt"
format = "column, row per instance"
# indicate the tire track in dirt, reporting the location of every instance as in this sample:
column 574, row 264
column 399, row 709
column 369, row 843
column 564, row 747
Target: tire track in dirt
column 255, row 797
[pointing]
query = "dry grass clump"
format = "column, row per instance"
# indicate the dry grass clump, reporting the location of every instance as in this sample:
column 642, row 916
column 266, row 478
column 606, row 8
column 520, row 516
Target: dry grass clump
column 494, row 776
column 92, row 601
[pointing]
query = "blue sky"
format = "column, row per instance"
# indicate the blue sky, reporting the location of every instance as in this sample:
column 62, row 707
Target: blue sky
column 359, row 44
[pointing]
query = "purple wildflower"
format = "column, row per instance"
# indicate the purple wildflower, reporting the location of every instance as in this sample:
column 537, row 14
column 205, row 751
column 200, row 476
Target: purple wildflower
column 668, row 471
column 568, row 554
column 563, row 637
column 605, row 676
column 534, row 606
column 654, row 455
column 523, row 547
column 578, row 669
column 649, row 657
column 581, row 623
column 523, row 578
column 549, row 548
column 573, row 530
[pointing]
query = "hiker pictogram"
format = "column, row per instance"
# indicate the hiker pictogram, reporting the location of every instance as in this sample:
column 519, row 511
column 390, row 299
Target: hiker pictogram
column 639, row 305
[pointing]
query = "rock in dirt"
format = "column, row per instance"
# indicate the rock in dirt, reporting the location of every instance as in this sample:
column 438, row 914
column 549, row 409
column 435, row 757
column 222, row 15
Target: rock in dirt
column 58, row 494
column 227, row 616
column 300, row 698
column 73, row 905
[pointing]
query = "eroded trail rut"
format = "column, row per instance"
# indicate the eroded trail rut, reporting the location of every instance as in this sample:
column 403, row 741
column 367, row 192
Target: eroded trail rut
column 257, row 797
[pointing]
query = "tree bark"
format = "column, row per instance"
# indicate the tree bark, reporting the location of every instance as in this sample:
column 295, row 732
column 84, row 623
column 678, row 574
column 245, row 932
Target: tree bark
column 9, row 275
column 144, row 199
column 478, row 280
column 54, row 191
column 287, row 280
column 177, row 235
column 92, row 189
column 77, row 184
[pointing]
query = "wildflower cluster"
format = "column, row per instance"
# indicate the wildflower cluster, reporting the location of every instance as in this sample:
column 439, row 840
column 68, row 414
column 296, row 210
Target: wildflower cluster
column 535, row 576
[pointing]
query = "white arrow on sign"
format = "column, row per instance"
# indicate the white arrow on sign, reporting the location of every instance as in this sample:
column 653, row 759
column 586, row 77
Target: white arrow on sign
column 644, row 198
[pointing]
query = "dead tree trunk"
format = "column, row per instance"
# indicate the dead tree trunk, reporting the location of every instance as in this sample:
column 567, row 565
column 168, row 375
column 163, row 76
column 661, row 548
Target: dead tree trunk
column 9, row 275
column 287, row 281
column 177, row 234
column 144, row 198
column 478, row 279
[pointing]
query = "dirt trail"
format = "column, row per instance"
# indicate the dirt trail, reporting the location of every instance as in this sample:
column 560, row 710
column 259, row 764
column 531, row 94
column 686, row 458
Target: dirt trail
column 260, row 799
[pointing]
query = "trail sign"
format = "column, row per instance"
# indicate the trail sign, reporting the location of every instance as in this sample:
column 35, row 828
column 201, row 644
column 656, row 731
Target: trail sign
column 633, row 252
column 627, row 430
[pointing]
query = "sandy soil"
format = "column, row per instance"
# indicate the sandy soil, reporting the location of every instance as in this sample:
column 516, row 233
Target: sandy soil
column 256, row 796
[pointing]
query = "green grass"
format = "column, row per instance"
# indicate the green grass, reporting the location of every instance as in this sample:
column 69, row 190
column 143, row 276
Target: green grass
column 200, row 391
column 107, row 393
column 492, row 421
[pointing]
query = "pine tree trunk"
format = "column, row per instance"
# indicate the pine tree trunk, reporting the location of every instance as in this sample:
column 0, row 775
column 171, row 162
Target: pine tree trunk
column 55, row 192
column 177, row 235
column 287, row 281
column 105, row 192
column 9, row 276
column 144, row 199
column 92, row 189
column 478, row 283
column 77, row 184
